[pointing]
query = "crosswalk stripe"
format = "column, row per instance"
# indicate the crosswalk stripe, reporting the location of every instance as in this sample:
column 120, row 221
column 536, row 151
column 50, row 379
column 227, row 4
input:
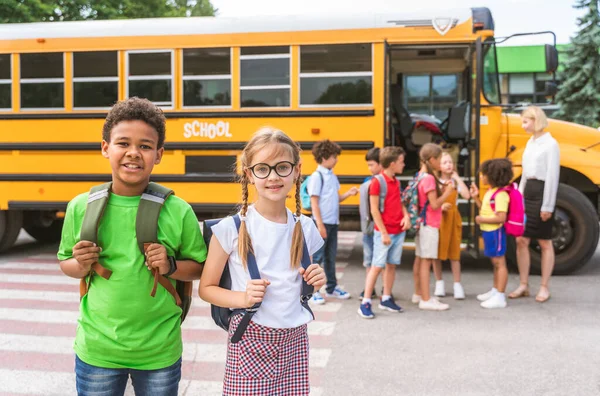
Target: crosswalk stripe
column 43, row 279
column 192, row 351
column 192, row 323
column 39, row 295
column 28, row 266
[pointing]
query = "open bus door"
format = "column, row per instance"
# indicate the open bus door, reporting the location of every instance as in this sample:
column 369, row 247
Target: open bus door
column 472, row 234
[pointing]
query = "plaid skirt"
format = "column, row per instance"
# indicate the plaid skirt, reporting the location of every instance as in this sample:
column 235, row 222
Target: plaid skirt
column 267, row 361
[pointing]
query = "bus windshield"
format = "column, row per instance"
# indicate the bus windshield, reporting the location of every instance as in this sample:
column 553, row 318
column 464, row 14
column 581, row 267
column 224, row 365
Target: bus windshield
column 491, row 85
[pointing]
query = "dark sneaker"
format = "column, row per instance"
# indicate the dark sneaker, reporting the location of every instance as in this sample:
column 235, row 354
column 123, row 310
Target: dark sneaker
column 373, row 295
column 365, row 311
column 390, row 305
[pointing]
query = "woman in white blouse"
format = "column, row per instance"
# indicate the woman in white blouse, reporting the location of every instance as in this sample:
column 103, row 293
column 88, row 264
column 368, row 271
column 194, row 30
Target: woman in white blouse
column 539, row 185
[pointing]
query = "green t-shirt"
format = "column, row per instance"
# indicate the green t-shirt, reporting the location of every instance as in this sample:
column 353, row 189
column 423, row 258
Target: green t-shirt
column 120, row 325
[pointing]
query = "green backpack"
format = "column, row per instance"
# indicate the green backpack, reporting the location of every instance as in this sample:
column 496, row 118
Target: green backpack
column 146, row 229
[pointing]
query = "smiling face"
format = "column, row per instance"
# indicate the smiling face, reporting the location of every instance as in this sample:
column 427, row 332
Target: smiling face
column 528, row 124
column 276, row 159
column 132, row 151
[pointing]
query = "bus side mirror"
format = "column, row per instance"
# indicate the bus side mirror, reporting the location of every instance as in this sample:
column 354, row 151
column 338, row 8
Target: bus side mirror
column 551, row 58
column 551, row 89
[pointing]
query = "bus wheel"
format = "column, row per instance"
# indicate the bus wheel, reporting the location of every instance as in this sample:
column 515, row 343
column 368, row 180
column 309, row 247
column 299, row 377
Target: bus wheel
column 11, row 222
column 574, row 235
column 47, row 234
column 44, row 226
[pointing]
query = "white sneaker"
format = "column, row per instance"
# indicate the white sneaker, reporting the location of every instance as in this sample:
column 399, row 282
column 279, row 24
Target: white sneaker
column 486, row 296
column 498, row 300
column 433, row 305
column 339, row 294
column 416, row 299
column 317, row 299
column 440, row 289
column 459, row 292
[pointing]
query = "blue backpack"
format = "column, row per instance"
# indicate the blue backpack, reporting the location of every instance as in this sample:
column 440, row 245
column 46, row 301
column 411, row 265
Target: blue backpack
column 304, row 195
column 222, row 315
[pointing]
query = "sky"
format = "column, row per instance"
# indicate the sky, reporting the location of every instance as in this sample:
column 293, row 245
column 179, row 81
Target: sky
column 510, row 16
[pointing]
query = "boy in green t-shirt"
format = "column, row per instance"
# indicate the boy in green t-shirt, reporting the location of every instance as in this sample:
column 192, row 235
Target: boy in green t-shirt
column 122, row 330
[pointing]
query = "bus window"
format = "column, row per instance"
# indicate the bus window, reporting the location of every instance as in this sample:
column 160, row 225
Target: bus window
column 150, row 76
column 5, row 83
column 42, row 81
column 431, row 94
column 490, row 75
column 265, row 76
column 95, row 79
column 336, row 74
column 206, row 77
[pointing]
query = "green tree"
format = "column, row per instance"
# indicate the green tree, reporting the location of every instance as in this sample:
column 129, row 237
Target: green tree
column 579, row 94
column 14, row 11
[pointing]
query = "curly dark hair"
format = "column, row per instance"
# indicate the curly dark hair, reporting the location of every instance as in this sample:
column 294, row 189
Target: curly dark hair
column 499, row 172
column 325, row 149
column 136, row 109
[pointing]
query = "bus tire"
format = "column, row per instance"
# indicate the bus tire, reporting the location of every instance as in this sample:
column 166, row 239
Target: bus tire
column 48, row 234
column 575, row 234
column 11, row 222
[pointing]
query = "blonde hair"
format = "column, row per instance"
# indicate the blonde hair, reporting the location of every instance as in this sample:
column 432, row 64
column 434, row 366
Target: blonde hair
column 261, row 139
column 538, row 116
column 429, row 151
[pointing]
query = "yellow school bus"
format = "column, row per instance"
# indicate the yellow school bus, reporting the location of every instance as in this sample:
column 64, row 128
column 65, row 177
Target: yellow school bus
column 360, row 80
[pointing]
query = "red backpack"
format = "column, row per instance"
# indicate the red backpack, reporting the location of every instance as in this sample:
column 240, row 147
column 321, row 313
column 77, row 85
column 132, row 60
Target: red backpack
column 515, row 217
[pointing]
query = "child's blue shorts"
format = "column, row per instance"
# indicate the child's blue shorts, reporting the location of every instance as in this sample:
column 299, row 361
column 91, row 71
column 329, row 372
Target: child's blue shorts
column 494, row 242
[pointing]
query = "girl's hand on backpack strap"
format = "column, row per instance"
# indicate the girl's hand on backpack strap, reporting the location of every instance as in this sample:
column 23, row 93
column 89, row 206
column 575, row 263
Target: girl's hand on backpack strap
column 156, row 257
column 255, row 291
column 313, row 275
column 86, row 253
column 446, row 206
column 546, row 216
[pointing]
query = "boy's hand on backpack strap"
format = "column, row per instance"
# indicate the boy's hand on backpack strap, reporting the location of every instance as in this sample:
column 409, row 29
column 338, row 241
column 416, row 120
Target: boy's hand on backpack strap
column 86, row 253
column 313, row 275
column 156, row 257
column 255, row 291
column 546, row 216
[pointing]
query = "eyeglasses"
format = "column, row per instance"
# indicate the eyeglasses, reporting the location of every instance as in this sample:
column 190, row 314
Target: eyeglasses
column 262, row 171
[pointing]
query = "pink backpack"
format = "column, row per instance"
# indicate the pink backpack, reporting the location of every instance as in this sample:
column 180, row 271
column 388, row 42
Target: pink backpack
column 515, row 218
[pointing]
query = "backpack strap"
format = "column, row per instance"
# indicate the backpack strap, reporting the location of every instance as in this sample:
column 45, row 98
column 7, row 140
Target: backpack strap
column 307, row 290
column 146, row 230
column 382, row 191
column 306, row 294
column 254, row 274
column 97, row 201
column 493, row 197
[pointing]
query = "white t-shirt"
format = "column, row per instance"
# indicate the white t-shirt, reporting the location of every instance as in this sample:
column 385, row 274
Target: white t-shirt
column 272, row 242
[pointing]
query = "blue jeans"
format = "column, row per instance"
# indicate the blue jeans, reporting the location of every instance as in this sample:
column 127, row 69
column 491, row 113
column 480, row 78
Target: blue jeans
column 326, row 256
column 92, row 380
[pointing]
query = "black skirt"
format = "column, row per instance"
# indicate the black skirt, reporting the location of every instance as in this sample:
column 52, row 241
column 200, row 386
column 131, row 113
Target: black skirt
column 535, row 228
